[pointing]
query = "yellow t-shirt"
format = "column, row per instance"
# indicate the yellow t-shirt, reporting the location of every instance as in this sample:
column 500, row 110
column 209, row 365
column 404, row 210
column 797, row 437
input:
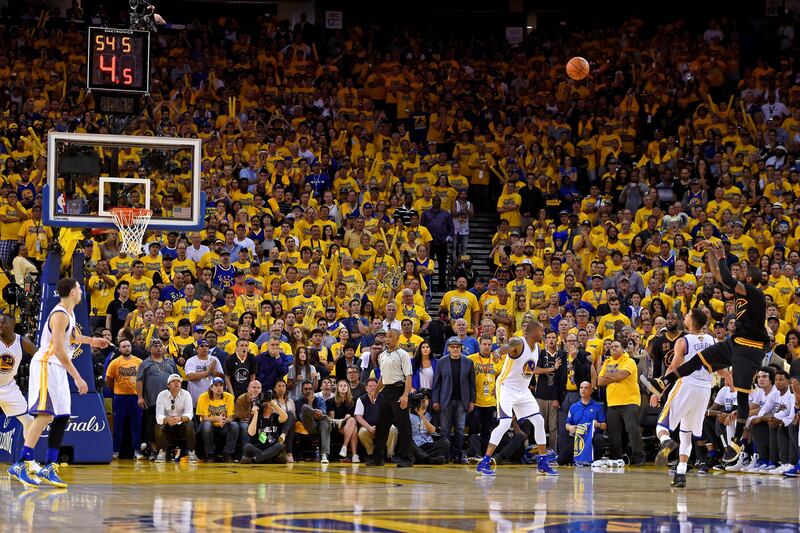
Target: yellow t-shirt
column 461, row 304
column 625, row 392
column 208, row 407
column 101, row 294
column 123, row 372
column 486, row 372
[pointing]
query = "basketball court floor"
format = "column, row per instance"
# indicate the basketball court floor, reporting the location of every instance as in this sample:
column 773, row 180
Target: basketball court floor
column 128, row 496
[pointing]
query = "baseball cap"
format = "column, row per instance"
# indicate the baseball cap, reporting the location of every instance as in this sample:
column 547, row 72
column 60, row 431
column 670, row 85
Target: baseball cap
column 597, row 276
column 770, row 317
column 199, row 327
column 202, row 342
column 174, row 377
column 380, row 332
column 495, row 280
column 368, row 205
column 156, row 341
column 251, row 280
column 454, row 340
column 255, row 264
column 154, row 243
column 224, row 252
column 219, row 241
column 330, row 308
column 548, row 250
column 217, row 380
column 777, row 205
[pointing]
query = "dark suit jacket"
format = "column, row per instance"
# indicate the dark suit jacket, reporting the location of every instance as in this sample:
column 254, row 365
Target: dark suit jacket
column 443, row 381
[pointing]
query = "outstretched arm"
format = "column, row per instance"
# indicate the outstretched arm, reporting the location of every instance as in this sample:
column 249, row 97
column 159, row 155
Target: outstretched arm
column 718, row 266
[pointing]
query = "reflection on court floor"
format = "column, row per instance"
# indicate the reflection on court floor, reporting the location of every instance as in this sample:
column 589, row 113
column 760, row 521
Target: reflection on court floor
column 303, row 498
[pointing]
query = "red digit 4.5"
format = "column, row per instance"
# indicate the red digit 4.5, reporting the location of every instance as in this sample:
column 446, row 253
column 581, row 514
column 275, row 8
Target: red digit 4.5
column 111, row 68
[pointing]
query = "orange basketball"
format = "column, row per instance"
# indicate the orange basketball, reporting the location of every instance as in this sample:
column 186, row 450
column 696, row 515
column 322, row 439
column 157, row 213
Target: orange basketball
column 577, row 68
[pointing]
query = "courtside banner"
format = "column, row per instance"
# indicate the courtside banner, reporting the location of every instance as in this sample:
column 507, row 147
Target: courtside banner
column 87, row 438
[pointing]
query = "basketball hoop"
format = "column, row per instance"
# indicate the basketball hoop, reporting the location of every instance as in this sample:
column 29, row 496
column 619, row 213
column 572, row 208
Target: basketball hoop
column 132, row 223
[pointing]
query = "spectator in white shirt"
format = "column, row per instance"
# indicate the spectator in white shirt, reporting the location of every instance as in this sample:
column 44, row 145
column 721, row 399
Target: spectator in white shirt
column 201, row 369
column 174, row 409
column 197, row 249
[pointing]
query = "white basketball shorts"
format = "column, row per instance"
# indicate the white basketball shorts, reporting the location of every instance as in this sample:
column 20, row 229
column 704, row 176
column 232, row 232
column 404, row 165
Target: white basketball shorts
column 49, row 392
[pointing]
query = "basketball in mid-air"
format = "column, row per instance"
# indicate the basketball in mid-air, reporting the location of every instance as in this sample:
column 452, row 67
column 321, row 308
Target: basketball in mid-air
column 577, row 68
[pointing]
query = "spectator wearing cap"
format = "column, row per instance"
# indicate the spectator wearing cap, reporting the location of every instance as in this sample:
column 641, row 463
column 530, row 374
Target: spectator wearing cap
column 151, row 379
column 174, row 411
column 215, row 407
column 201, row 369
column 453, row 395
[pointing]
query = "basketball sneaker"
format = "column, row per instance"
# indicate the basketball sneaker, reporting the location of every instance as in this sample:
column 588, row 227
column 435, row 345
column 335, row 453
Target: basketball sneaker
column 663, row 454
column 732, row 452
column 702, row 468
column 192, row 458
column 793, row 471
column 543, row 466
column 161, row 457
column 49, row 475
column 485, row 468
column 743, row 462
column 679, row 480
column 19, row 471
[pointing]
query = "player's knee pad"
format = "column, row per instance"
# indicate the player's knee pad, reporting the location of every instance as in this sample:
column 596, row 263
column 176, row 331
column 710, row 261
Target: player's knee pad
column 503, row 425
column 685, row 447
column 57, row 429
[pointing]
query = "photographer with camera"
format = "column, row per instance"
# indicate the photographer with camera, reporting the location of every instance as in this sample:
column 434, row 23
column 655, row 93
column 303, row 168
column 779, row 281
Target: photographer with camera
column 265, row 431
column 425, row 449
column 242, row 406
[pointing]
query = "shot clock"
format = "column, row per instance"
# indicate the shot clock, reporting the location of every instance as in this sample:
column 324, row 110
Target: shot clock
column 118, row 60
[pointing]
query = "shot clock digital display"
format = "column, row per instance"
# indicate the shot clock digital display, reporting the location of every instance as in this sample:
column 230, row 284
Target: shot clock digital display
column 118, row 60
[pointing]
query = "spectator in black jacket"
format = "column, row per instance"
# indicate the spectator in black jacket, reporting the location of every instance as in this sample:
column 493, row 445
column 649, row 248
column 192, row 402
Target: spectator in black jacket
column 531, row 200
column 550, row 387
column 579, row 368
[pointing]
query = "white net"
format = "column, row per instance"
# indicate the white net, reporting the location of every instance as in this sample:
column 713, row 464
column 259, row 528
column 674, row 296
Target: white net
column 132, row 224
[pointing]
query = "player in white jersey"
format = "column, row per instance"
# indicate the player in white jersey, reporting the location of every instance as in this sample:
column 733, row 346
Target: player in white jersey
column 12, row 346
column 687, row 402
column 49, row 397
column 514, row 398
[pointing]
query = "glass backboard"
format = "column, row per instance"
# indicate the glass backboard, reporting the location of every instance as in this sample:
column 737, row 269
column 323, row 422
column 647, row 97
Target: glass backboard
column 89, row 174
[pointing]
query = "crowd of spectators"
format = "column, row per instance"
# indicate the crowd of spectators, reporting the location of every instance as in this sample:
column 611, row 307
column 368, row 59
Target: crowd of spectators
column 340, row 185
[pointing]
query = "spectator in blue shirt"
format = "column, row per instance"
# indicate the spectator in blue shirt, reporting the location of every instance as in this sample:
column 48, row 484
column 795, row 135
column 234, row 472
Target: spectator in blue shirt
column 586, row 411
